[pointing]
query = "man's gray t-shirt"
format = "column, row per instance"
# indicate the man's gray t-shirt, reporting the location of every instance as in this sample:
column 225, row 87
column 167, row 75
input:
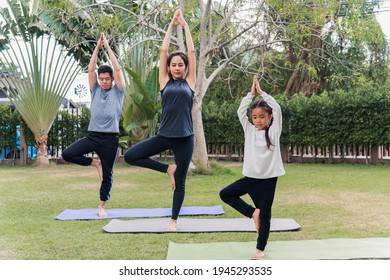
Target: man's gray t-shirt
column 106, row 107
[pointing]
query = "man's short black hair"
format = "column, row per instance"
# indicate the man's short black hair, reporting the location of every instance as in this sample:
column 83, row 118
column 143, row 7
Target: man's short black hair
column 106, row 69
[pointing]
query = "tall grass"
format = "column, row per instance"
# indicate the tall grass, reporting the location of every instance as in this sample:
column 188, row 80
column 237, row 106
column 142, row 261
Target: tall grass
column 329, row 201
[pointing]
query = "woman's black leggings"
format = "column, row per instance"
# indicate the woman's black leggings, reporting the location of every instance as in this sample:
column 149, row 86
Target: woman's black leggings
column 262, row 192
column 182, row 148
column 106, row 147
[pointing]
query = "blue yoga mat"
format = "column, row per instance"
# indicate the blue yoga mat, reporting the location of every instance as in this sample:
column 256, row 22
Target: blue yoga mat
column 92, row 214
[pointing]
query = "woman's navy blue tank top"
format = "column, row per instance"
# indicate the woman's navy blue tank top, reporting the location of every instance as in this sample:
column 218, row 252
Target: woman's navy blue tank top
column 176, row 119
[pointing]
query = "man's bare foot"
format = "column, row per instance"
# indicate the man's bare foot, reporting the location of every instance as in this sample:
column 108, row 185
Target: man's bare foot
column 97, row 163
column 172, row 226
column 256, row 219
column 171, row 174
column 101, row 210
column 258, row 254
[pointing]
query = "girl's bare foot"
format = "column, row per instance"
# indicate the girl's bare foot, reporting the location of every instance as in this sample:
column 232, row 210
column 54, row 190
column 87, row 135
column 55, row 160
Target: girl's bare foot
column 256, row 219
column 97, row 163
column 172, row 226
column 258, row 254
column 171, row 174
column 101, row 209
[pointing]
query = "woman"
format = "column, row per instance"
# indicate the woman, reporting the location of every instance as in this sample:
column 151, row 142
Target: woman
column 177, row 79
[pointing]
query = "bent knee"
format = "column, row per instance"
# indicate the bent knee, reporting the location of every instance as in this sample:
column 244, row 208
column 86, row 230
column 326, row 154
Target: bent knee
column 66, row 155
column 222, row 195
column 129, row 158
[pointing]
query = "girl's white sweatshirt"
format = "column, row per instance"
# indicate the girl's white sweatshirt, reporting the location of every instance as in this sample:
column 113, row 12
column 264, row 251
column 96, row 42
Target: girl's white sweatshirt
column 261, row 162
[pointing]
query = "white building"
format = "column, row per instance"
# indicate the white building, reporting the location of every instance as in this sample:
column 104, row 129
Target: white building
column 79, row 92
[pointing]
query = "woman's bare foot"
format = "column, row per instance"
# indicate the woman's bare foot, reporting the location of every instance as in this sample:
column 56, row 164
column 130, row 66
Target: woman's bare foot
column 172, row 226
column 258, row 254
column 171, row 174
column 97, row 163
column 256, row 219
column 101, row 210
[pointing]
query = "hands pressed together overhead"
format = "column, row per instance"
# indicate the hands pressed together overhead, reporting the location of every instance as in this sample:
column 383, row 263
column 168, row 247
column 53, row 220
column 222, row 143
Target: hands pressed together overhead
column 103, row 42
column 178, row 19
column 256, row 86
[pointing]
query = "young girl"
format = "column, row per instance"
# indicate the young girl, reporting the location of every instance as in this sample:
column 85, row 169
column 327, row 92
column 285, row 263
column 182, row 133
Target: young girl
column 177, row 83
column 262, row 163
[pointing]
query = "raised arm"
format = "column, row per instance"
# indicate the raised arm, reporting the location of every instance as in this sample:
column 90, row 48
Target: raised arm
column 118, row 77
column 191, row 75
column 92, row 64
column 243, row 109
column 163, row 73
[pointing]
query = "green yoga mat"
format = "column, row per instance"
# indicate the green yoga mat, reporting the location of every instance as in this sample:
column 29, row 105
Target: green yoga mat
column 326, row 249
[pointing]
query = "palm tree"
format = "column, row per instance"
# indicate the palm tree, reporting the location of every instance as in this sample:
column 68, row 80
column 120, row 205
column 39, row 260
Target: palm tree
column 40, row 71
column 143, row 107
column 142, row 102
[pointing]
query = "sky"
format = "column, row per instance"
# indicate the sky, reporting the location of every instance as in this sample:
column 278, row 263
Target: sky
column 383, row 16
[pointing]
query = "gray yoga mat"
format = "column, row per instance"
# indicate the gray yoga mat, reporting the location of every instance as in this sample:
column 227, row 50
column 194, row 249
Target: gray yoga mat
column 192, row 225
column 325, row 249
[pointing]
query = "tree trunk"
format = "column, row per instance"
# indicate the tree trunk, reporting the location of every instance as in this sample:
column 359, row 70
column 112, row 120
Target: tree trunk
column 23, row 147
column 200, row 156
column 40, row 142
column 374, row 157
column 285, row 153
column 296, row 82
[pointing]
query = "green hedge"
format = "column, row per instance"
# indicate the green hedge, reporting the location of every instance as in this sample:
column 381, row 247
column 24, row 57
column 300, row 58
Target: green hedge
column 67, row 128
column 361, row 117
column 8, row 123
column 220, row 123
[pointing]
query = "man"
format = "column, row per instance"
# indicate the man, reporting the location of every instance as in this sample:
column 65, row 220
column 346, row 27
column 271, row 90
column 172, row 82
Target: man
column 103, row 129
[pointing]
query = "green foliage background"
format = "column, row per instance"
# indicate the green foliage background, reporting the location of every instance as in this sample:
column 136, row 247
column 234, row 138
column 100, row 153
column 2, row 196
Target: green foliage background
column 358, row 117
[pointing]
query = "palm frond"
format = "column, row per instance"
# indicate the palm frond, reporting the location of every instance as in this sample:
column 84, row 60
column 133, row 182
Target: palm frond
column 38, row 71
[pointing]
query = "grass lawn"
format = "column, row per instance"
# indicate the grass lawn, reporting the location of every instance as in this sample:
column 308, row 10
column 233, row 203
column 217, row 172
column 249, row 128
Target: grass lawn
column 329, row 201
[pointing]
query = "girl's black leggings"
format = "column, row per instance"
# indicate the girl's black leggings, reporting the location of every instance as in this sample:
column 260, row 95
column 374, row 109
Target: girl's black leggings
column 262, row 192
column 182, row 148
column 106, row 147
